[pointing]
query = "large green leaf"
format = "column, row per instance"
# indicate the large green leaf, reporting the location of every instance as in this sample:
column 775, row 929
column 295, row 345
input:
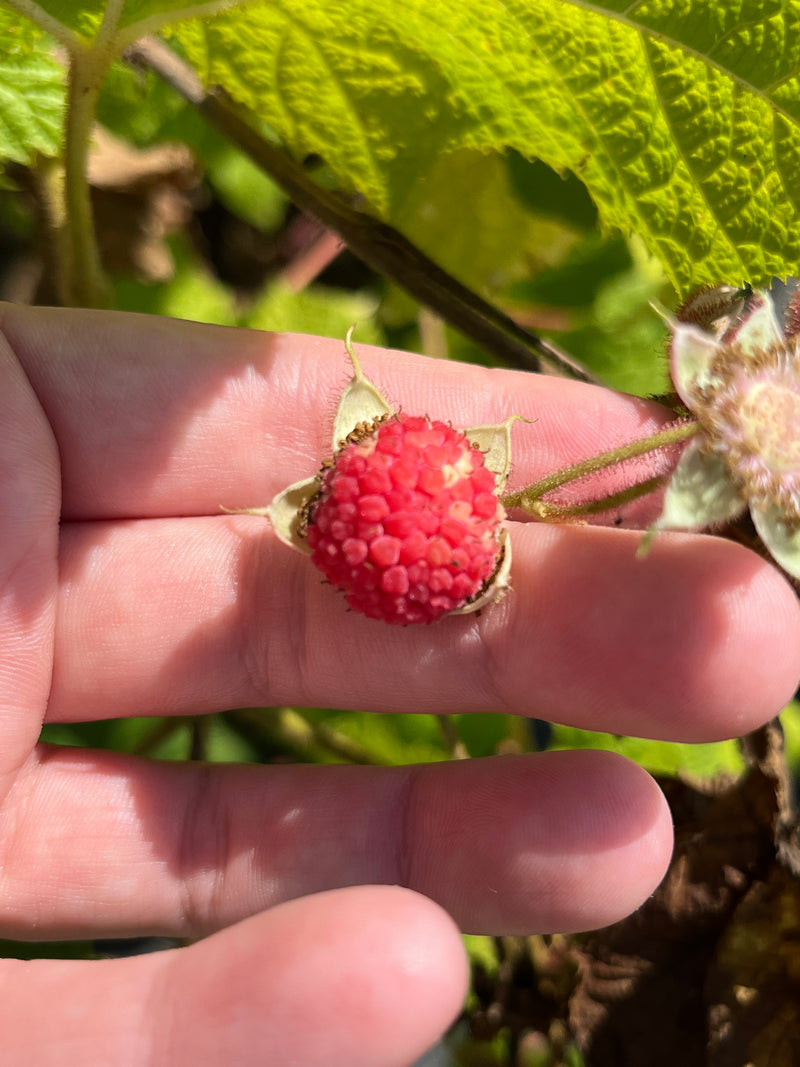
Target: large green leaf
column 681, row 116
column 467, row 216
column 31, row 92
column 32, row 82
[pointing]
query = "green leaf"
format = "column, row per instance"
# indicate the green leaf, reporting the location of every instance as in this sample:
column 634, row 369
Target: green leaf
column 31, row 92
column 658, row 757
column 790, row 721
column 467, row 216
column 482, row 950
column 603, row 290
column 123, row 735
column 33, row 83
column 141, row 108
column 246, row 190
column 317, row 310
column 135, row 17
column 482, row 732
column 545, row 192
column 682, row 118
column 390, row 738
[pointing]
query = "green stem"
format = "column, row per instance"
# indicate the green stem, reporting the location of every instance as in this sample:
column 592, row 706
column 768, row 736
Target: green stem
column 563, row 512
column 81, row 280
column 80, row 275
column 527, row 498
column 288, row 727
column 67, row 203
column 198, row 744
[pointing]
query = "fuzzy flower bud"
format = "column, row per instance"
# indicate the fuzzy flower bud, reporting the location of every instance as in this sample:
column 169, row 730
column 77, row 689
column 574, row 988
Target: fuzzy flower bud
column 735, row 360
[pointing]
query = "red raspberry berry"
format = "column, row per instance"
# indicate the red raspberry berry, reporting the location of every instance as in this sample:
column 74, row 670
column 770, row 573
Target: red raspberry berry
column 407, row 521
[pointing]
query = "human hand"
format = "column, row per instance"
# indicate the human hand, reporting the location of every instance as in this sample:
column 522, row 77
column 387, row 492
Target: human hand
column 147, row 600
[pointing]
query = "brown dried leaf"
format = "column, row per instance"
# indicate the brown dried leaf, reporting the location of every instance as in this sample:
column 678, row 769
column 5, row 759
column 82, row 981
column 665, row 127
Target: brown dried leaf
column 140, row 197
column 753, row 985
column 664, row 986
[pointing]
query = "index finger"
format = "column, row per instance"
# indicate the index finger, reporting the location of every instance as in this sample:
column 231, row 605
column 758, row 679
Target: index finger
column 155, row 417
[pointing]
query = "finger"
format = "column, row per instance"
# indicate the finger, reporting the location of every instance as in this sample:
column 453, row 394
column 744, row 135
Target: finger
column 155, row 417
column 559, row 841
column 365, row 977
column 699, row 641
column 29, row 508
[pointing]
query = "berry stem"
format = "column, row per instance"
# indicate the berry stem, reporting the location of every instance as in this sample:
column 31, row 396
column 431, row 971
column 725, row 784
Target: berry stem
column 564, row 512
column 529, row 498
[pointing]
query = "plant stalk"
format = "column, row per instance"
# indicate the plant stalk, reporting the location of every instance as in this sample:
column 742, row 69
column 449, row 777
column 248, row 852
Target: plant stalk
column 565, row 512
column 528, row 498
column 81, row 281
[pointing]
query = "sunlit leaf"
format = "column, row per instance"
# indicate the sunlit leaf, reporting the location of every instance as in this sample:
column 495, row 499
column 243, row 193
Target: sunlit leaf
column 134, row 17
column 31, row 92
column 681, row 118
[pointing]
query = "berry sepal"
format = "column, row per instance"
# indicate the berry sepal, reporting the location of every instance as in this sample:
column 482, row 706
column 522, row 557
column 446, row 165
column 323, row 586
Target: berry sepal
column 287, row 511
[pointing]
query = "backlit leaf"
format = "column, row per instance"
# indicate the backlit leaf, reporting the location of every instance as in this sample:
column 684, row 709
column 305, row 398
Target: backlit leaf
column 681, row 118
column 31, row 92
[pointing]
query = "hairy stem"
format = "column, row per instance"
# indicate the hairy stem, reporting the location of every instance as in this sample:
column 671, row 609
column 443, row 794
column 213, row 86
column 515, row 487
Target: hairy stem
column 528, row 497
column 80, row 277
column 564, row 512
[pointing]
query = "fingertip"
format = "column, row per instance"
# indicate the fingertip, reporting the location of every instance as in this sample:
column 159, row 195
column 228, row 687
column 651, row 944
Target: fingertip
column 600, row 851
column 737, row 663
column 698, row 642
column 547, row 843
column 758, row 670
column 368, row 975
column 627, row 872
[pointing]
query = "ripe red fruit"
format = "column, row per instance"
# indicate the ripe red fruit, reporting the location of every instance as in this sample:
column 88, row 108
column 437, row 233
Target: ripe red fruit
column 406, row 517
column 407, row 521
